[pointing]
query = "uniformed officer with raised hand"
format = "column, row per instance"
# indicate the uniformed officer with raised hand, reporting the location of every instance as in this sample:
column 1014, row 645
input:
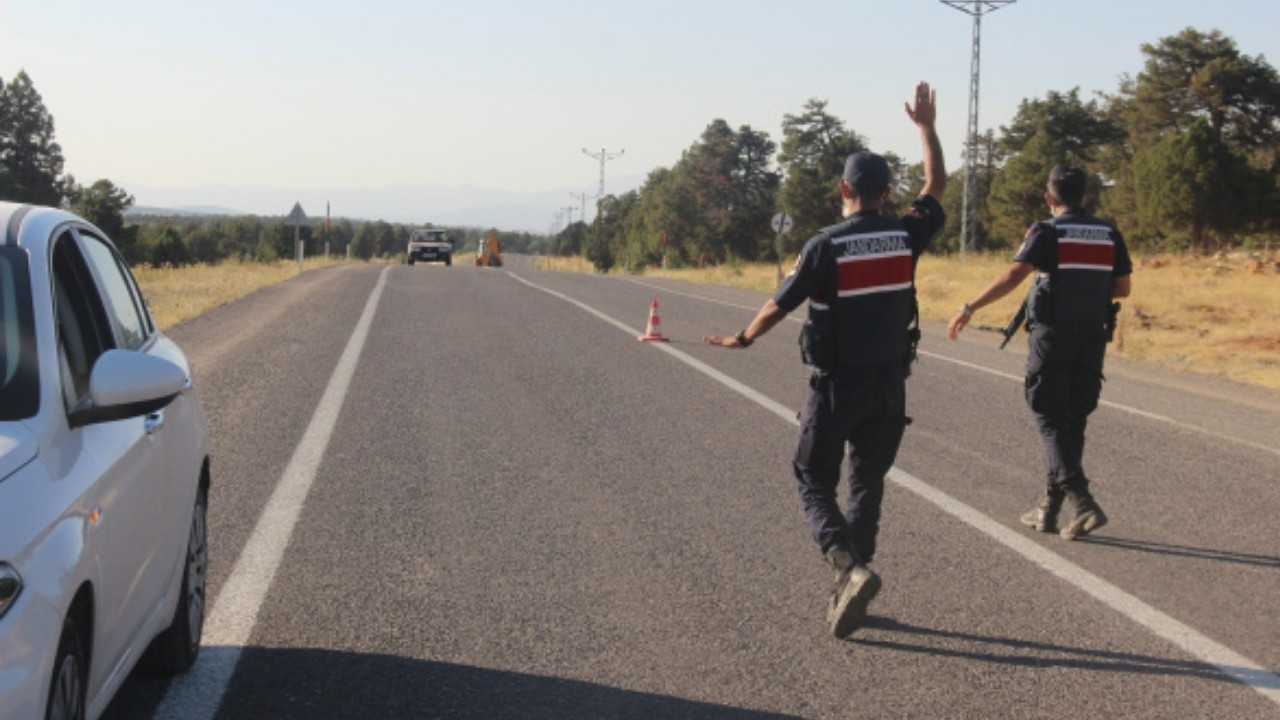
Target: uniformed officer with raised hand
column 1083, row 266
column 859, row 341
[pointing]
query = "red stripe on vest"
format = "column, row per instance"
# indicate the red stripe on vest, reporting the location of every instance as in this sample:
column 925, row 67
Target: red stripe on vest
column 1100, row 255
column 860, row 276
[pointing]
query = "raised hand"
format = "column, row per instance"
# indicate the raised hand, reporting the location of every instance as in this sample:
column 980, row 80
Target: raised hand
column 925, row 111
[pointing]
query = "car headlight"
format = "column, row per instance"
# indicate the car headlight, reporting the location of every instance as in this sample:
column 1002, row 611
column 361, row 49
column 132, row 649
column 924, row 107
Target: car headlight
column 10, row 587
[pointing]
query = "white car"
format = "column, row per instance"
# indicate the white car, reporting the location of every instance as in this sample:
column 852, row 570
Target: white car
column 104, row 475
column 429, row 246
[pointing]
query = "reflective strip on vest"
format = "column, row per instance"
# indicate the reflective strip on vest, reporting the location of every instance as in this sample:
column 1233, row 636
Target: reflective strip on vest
column 873, row 262
column 1086, row 247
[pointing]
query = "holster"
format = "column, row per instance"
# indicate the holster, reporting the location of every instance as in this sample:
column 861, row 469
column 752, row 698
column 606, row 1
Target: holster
column 1040, row 301
column 1113, row 316
column 818, row 344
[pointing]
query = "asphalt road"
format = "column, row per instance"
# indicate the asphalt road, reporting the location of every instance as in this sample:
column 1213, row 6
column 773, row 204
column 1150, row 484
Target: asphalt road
column 509, row 507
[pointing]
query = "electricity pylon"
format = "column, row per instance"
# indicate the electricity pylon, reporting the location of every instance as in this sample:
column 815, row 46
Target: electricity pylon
column 603, row 156
column 582, row 201
column 969, row 223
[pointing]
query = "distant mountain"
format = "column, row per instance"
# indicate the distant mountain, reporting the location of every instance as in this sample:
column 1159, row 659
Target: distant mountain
column 192, row 210
column 413, row 204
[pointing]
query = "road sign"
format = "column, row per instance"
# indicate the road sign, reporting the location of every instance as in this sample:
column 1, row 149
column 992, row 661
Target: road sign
column 296, row 218
column 782, row 223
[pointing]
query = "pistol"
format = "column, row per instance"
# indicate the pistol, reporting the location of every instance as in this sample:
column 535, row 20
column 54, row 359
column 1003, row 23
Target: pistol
column 1113, row 314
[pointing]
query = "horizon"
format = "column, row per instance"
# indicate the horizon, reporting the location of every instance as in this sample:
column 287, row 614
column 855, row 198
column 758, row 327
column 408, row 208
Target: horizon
column 503, row 100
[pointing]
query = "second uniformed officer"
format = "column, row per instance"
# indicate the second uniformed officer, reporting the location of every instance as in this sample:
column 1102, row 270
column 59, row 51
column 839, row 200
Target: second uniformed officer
column 858, row 277
column 1083, row 266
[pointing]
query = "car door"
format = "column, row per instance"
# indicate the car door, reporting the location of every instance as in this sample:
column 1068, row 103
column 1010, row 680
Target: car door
column 128, row 499
column 175, row 464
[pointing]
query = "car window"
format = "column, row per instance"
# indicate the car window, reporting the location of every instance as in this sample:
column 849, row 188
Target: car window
column 119, row 293
column 84, row 331
column 19, row 374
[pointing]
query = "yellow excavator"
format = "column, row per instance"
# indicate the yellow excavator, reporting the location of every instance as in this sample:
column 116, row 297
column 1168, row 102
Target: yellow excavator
column 489, row 253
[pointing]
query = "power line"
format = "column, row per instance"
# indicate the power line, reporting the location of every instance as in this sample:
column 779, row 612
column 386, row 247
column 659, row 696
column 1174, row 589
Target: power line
column 969, row 224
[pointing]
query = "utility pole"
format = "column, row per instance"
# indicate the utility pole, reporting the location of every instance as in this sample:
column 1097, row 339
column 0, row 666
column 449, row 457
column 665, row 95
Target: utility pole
column 603, row 156
column 969, row 224
column 582, row 201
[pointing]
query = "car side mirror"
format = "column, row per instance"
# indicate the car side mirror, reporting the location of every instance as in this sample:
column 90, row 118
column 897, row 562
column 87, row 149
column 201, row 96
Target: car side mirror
column 127, row 383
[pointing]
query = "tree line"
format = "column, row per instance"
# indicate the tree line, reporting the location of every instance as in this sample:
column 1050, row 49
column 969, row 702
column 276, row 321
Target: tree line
column 31, row 164
column 182, row 240
column 1182, row 156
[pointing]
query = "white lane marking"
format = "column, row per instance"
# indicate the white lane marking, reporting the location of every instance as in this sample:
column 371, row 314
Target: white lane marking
column 198, row 693
column 1187, row 638
column 778, row 408
column 1009, row 376
column 1228, row 661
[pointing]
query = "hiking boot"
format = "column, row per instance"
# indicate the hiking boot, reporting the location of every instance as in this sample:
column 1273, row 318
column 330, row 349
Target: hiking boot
column 841, row 559
column 854, row 592
column 1089, row 516
column 1044, row 516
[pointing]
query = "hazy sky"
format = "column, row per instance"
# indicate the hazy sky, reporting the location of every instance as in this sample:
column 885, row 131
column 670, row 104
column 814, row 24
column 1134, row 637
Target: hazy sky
column 505, row 95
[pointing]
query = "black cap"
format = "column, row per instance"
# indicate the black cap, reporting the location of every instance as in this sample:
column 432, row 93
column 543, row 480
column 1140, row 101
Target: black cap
column 1066, row 182
column 866, row 170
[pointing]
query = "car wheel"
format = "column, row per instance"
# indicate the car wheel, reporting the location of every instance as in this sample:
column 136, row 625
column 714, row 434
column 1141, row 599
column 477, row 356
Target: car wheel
column 448, row 262
column 175, row 649
column 67, row 688
column 410, row 261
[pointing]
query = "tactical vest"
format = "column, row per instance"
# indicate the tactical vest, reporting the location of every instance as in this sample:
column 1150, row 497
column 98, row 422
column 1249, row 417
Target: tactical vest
column 866, row 311
column 1077, row 288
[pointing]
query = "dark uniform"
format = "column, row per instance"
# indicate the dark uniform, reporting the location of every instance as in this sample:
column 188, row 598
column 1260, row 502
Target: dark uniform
column 1077, row 256
column 858, row 277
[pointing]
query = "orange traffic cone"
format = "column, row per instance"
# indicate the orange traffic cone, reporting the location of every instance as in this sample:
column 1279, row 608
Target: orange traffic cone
column 653, row 332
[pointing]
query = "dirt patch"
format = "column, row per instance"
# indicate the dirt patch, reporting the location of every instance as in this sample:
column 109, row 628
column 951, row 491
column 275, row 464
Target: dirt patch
column 1258, row 343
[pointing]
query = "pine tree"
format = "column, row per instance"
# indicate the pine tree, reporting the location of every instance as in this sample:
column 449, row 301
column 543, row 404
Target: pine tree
column 104, row 204
column 1191, row 187
column 1058, row 129
column 1196, row 75
column 30, row 159
column 814, row 147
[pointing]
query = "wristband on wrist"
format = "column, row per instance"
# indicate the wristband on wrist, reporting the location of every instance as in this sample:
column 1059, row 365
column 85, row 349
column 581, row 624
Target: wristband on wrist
column 741, row 337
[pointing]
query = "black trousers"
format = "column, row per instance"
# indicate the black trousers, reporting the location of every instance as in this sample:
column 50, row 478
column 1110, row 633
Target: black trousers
column 1064, row 380
column 860, row 413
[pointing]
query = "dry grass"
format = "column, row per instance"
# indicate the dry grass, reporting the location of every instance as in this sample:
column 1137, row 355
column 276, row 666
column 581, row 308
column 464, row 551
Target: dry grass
column 563, row 264
column 1215, row 316
column 1206, row 315
column 175, row 294
column 752, row 276
column 1210, row 316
